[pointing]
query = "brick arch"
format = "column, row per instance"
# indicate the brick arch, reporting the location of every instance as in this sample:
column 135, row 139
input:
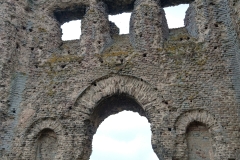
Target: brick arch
column 141, row 92
column 214, row 127
column 31, row 136
column 144, row 93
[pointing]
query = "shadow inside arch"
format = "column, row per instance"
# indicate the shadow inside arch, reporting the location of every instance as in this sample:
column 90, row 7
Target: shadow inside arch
column 115, row 104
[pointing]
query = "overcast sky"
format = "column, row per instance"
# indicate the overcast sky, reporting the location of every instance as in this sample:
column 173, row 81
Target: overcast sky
column 127, row 135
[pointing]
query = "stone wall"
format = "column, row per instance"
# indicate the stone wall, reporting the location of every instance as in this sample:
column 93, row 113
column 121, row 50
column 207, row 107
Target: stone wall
column 185, row 81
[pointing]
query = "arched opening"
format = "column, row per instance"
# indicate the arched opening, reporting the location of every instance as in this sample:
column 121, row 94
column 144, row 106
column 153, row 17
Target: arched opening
column 46, row 146
column 126, row 135
column 115, row 138
column 199, row 142
column 113, row 94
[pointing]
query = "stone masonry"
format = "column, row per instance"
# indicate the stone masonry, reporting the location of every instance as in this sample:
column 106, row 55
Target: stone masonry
column 185, row 81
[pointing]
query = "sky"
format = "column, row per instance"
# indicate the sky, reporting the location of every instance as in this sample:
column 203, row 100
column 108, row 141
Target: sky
column 126, row 135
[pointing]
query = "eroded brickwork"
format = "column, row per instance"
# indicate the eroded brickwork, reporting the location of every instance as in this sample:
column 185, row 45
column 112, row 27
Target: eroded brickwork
column 185, row 81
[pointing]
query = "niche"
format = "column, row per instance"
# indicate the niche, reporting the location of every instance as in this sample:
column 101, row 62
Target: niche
column 199, row 142
column 46, row 145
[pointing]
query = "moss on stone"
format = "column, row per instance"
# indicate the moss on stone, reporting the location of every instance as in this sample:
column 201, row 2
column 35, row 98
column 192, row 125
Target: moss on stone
column 42, row 29
column 63, row 59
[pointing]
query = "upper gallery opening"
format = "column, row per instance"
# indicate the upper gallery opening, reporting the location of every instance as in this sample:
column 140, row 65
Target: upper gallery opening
column 175, row 15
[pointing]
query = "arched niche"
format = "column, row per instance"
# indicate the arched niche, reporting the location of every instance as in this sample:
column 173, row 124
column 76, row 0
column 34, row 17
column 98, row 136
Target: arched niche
column 46, row 146
column 193, row 120
column 110, row 95
column 199, row 142
column 44, row 140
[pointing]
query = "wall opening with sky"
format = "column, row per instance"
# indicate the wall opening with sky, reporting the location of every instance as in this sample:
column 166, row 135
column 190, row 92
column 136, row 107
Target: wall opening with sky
column 175, row 18
column 123, row 136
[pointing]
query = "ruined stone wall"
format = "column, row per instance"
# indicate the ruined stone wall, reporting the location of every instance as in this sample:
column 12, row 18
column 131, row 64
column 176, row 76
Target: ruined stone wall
column 185, row 81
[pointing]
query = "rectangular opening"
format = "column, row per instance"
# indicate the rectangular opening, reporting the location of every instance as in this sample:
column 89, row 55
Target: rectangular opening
column 71, row 30
column 175, row 15
column 121, row 21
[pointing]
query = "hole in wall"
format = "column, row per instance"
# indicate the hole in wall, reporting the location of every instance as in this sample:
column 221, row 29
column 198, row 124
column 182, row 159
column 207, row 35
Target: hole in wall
column 17, row 45
column 71, row 30
column 121, row 21
column 125, row 135
column 175, row 15
column 70, row 20
column 166, row 102
column 63, row 65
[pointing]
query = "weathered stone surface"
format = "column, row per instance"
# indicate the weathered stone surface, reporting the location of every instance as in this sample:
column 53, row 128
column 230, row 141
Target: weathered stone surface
column 185, row 81
column 148, row 25
column 95, row 30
